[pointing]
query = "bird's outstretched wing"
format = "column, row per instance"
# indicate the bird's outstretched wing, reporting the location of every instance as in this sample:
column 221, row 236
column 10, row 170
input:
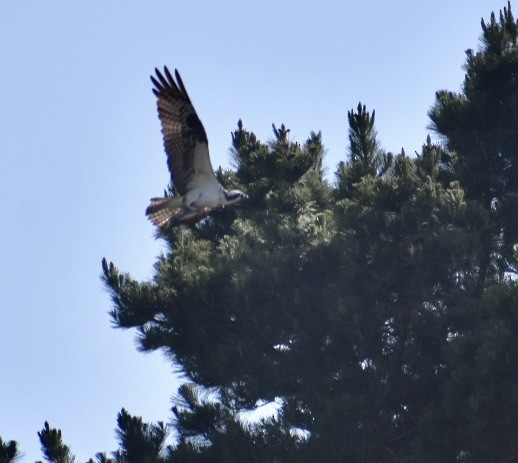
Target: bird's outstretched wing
column 185, row 140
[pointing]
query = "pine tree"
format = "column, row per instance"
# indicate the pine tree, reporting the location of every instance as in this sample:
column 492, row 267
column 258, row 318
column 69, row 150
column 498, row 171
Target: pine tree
column 224, row 313
column 480, row 127
column 53, row 447
column 8, row 451
column 379, row 314
column 365, row 155
column 339, row 313
column 480, row 130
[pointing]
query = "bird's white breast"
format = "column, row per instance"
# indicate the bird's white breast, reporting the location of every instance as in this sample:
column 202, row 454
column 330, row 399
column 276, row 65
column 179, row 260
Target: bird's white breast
column 211, row 197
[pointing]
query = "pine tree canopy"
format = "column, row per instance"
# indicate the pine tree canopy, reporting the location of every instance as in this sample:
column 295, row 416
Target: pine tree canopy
column 378, row 313
column 8, row 451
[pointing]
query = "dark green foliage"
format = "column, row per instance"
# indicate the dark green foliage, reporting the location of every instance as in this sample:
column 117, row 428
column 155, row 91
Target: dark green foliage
column 483, row 389
column 268, row 170
column 139, row 442
column 365, row 155
column 480, row 125
column 8, row 451
column 102, row 458
column 53, row 447
column 347, row 314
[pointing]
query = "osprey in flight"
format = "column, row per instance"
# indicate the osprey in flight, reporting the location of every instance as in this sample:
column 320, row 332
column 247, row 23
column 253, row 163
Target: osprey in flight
column 187, row 149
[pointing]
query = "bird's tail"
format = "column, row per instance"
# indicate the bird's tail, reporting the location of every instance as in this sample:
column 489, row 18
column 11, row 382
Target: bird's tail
column 162, row 211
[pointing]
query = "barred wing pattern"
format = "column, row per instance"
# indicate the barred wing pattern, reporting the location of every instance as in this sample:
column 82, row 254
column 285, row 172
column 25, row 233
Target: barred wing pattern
column 185, row 140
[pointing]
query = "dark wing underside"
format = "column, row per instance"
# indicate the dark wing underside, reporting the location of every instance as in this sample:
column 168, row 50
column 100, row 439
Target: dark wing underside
column 185, row 140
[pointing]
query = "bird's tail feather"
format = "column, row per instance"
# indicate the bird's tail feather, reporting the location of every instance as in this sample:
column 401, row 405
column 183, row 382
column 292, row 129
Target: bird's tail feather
column 162, row 210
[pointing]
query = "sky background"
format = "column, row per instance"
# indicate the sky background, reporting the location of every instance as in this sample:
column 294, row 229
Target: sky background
column 81, row 154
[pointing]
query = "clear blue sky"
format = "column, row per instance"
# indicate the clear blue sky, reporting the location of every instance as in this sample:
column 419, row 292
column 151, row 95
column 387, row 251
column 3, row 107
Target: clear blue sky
column 81, row 154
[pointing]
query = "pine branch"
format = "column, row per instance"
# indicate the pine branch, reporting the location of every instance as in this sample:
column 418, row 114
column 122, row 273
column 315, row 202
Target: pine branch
column 53, row 447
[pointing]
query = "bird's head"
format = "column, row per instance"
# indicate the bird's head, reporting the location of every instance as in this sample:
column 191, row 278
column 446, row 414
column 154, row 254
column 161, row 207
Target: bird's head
column 234, row 196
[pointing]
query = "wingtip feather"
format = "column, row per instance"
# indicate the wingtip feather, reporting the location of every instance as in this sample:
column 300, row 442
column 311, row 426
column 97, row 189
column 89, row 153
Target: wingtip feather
column 164, row 80
column 157, row 85
column 180, row 82
column 169, row 76
column 161, row 78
